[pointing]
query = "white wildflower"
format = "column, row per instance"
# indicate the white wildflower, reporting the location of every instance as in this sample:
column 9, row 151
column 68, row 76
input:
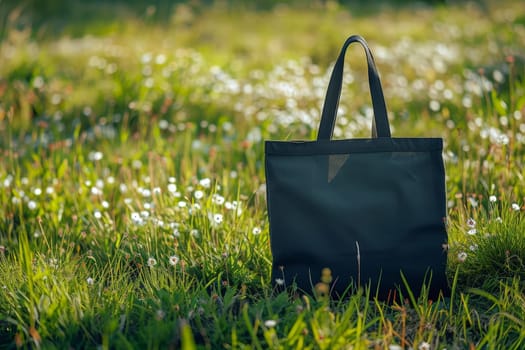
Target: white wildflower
column 198, row 194
column 137, row 219
column 152, row 262
column 206, row 183
column 136, row 164
column 95, row 156
column 95, row 191
column 174, row 260
column 270, row 323
column 172, row 188
column 424, row 346
column 215, row 218
column 217, row 199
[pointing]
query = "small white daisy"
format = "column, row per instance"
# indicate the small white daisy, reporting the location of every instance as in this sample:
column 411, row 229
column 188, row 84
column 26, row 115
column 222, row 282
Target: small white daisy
column 136, row 164
column 198, row 194
column 217, row 219
column 174, row 260
column 152, row 262
column 137, row 219
column 95, row 191
column 206, row 183
column 270, row 323
column 172, row 188
column 217, row 199
column 123, row 188
column 424, row 346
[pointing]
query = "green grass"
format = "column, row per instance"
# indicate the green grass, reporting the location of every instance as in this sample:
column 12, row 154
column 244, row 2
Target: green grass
column 133, row 209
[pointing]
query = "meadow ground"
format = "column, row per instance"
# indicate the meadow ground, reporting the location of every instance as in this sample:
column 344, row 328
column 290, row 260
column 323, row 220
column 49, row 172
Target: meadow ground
column 133, row 209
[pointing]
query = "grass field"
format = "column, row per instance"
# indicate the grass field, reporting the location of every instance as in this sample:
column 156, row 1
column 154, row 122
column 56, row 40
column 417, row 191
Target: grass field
column 133, row 210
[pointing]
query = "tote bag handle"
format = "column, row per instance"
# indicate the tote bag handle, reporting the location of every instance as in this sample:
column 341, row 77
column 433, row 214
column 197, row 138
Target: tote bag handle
column 380, row 125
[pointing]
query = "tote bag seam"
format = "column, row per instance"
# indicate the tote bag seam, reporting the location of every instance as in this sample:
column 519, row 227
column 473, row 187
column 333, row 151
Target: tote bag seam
column 353, row 146
column 299, row 153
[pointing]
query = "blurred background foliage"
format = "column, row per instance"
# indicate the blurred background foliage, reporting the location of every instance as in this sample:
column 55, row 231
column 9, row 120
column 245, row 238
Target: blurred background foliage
column 56, row 13
column 59, row 7
column 291, row 28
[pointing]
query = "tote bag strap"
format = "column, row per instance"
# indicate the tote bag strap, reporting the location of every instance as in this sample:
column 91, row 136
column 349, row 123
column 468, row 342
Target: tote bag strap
column 380, row 125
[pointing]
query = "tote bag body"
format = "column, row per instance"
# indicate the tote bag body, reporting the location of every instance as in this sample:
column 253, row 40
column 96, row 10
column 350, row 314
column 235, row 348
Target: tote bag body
column 368, row 210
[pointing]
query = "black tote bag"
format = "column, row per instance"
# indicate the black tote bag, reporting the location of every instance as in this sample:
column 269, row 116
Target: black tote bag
column 357, row 212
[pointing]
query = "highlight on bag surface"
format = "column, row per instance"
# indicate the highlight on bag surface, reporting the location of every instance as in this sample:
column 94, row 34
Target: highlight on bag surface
column 357, row 212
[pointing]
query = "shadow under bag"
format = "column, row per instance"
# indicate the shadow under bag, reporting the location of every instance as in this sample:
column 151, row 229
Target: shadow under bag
column 352, row 213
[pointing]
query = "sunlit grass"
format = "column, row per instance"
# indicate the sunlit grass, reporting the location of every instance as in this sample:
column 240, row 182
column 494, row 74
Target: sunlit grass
column 131, row 165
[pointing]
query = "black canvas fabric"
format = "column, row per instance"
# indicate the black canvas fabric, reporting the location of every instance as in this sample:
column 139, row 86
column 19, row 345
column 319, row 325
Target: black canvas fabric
column 367, row 209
